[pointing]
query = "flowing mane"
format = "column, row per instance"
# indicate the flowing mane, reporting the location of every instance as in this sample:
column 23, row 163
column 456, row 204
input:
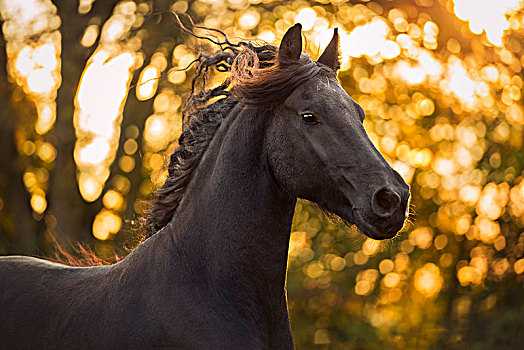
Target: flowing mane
column 256, row 77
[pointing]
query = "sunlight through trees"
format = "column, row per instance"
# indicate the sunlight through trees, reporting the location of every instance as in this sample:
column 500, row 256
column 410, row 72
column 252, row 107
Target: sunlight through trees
column 91, row 95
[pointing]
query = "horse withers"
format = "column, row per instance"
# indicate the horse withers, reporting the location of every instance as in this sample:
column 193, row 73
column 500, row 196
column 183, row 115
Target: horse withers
column 211, row 274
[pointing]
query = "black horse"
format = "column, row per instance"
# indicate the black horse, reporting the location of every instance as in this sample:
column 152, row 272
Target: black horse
column 212, row 273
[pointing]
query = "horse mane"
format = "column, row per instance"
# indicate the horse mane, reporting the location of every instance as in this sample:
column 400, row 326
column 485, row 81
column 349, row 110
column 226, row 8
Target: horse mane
column 257, row 77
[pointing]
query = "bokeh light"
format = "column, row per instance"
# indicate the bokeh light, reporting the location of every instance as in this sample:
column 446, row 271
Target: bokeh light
column 100, row 100
column 428, row 280
column 488, row 16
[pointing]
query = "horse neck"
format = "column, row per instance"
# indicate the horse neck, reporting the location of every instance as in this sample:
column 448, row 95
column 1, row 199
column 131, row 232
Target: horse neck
column 234, row 221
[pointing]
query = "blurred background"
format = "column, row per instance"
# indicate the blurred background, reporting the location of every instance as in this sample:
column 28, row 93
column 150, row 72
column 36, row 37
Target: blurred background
column 90, row 109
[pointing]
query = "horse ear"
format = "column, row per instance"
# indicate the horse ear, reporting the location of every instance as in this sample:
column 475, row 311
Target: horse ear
column 291, row 45
column 330, row 56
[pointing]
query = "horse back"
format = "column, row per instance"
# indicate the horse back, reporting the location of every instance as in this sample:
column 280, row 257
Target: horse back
column 40, row 300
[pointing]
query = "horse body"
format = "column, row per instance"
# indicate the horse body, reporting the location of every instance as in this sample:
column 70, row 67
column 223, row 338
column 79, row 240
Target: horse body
column 213, row 283
column 31, row 290
column 213, row 276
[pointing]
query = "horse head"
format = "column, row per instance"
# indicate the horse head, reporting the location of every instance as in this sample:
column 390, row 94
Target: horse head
column 319, row 150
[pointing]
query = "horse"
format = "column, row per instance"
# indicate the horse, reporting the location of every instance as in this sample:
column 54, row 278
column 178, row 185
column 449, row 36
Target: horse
column 211, row 273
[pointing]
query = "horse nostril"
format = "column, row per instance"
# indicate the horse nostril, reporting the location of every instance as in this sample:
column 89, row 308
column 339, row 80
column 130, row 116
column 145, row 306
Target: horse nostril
column 385, row 202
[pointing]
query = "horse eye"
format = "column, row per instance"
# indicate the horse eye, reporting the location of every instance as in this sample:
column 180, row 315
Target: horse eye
column 309, row 118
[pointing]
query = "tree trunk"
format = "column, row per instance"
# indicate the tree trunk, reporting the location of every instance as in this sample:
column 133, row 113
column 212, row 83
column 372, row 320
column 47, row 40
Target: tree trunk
column 20, row 231
column 65, row 201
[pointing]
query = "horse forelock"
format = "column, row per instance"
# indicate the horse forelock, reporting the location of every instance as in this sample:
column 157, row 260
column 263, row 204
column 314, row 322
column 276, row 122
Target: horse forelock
column 272, row 84
column 257, row 78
